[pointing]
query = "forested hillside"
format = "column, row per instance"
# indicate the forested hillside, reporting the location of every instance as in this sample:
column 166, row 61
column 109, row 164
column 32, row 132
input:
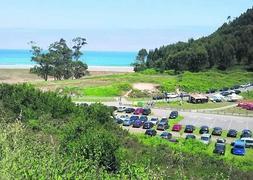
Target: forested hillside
column 230, row 45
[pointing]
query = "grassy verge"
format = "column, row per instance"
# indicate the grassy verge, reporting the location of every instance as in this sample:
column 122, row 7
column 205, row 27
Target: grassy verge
column 106, row 85
column 185, row 105
column 247, row 95
column 196, row 147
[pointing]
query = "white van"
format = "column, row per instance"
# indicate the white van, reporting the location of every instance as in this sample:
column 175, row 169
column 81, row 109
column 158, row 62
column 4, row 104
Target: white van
column 248, row 142
column 205, row 138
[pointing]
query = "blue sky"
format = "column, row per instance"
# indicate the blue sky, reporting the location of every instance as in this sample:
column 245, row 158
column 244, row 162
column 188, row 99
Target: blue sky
column 122, row 25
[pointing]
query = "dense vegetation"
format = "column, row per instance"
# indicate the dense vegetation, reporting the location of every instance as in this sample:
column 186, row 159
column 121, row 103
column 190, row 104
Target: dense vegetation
column 45, row 136
column 230, row 45
column 59, row 60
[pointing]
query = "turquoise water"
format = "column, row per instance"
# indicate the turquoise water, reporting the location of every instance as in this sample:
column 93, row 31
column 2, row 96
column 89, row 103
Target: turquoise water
column 92, row 58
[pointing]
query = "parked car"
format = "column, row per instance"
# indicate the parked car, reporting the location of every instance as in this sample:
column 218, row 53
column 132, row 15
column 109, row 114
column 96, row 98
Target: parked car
column 235, row 87
column 119, row 121
column 237, row 91
column 239, row 148
column 150, row 132
column 211, row 91
column 154, row 120
column 220, row 148
column 128, row 122
column 148, row 125
column 177, row 127
column 217, row 131
column 144, row 119
column 146, row 111
column 224, row 89
column 163, row 125
column 232, row 133
column 121, row 109
column 158, row 97
column 173, row 115
column 205, row 138
column 245, row 85
column 129, row 110
column 248, row 142
column 166, row 135
column 138, row 111
column 137, row 124
column 189, row 129
column 225, row 93
column 173, row 140
column 246, row 133
column 124, row 117
column 204, row 130
column 190, row 136
column 220, row 140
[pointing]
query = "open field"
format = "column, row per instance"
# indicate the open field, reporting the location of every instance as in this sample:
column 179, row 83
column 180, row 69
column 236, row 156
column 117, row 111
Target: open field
column 186, row 105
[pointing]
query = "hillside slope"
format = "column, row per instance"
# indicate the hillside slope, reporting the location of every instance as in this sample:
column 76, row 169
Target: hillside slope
column 230, row 45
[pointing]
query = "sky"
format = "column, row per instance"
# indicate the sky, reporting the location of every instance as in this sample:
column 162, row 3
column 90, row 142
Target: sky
column 112, row 25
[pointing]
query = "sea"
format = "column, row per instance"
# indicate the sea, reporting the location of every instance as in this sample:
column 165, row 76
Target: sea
column 92, row 58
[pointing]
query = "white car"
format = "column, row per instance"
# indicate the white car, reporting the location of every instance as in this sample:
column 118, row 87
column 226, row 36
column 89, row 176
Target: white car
column 124, row 117
column 205, row 138
column 121, row 109
column 245, row 85
column 171, row 95
column 248, row 142
column 154, row 120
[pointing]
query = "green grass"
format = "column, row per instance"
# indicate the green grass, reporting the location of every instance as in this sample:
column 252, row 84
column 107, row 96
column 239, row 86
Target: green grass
column 196, row 147
column 203, row 81
column 106, row 85
column 186, row 105
column 247, row 95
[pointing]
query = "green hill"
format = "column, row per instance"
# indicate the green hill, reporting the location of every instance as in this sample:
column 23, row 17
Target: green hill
column 231, row 45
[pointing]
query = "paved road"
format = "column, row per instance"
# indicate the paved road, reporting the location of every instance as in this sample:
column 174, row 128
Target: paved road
column 212, row 120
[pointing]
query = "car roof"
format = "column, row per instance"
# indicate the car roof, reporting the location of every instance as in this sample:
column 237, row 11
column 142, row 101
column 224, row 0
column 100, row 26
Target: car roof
column 217, row 128
column 239, row 142
column 246, row 138
column 205, row 135
column 191, row 135
column 204, row 126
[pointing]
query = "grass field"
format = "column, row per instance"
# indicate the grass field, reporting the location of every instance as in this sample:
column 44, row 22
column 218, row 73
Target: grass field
column 186, row 105
column 195, row 147
column 248, row 95
column 117, row 84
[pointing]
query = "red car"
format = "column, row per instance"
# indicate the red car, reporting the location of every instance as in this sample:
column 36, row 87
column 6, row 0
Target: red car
column 138, row 111
column 246, row 105
column 177, row 127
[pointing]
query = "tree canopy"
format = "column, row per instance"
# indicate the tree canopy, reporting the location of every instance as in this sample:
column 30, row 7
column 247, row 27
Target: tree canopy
column 59, row 61
column 230, row 45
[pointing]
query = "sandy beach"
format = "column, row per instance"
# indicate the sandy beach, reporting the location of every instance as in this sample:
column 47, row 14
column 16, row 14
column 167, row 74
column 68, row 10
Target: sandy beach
column 91, row 68
column 20, row 73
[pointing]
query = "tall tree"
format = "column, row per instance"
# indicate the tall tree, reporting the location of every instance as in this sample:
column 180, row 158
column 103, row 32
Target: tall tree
column 60, row 61
column 43, row 61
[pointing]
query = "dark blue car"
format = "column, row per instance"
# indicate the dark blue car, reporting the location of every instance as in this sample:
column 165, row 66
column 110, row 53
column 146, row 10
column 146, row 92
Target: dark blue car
column 239, row 148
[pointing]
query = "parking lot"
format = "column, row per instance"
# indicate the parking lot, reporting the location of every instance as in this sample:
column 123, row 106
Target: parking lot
column 212, row 120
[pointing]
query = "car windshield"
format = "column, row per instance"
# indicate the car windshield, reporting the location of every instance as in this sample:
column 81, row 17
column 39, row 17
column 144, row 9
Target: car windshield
column 220, row 146
column 239, row 147
column 204, row 138
column 153, row 119
column 163, row 120
column 164, row 134
column 249, row 141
